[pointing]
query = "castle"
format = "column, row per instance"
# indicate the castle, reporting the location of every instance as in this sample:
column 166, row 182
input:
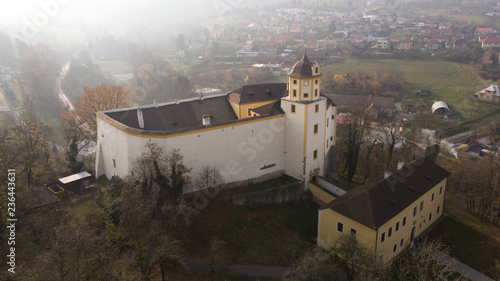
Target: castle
column 254, row 133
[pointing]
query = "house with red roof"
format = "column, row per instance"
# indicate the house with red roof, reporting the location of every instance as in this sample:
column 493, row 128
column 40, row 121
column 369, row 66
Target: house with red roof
column 490, row 43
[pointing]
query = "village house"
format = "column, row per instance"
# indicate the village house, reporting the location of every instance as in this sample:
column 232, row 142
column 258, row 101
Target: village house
column 490, row 43
column 490, row 94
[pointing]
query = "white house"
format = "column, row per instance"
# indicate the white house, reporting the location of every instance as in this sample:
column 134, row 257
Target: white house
column 253, row 133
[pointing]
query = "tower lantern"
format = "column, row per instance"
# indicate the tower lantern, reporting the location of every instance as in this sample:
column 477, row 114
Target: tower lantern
column 304, row 81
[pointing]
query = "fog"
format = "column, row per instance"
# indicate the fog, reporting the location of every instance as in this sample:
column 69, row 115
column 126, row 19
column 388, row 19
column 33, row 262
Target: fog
column 29, row 19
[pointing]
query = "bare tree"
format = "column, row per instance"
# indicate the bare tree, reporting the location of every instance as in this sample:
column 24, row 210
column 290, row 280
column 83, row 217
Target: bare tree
column 351, row 256
column 353, row 132
column 428, row 261
column 209, row 177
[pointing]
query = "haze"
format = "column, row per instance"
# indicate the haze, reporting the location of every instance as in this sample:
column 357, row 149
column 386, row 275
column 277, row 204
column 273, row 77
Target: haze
column 117, row 17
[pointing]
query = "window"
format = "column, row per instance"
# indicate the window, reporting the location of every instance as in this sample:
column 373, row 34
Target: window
column 306, row 83
column 394, row 248
column 382, row 237
column 438, row 209
column 430, row 216
column 315, row 92
column 340, row 227
column 293, row 108
column 114, row 163
column 316, row 70
column 353, row 232
column 316, row 108
column 315, row 128
column 295, row 82
column 294, row 93
column 402, row 242
column 327, row 122
column 432, row 197
column 397, row 226
column 415, row 211
column 389, row 233
column 248, row 111
column 404, row 221
column 316, row 82
column 421, row 205
column 440, row 190
column 331, row 138
column 333, row 116
column 306, row 95
column 315, row 154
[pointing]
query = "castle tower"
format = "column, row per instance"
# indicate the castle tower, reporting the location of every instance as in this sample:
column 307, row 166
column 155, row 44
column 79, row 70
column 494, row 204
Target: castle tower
column 310, row 123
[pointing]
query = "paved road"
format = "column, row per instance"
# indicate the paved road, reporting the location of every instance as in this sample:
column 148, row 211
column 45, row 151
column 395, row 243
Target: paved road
column 465, row 270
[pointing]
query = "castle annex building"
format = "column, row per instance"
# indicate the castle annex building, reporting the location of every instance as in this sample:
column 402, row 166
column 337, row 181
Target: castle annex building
column 254, row 133
column 388, row 214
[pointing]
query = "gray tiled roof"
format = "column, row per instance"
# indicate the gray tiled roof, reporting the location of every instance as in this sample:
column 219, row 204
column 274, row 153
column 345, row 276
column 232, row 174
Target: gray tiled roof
column 376, row 203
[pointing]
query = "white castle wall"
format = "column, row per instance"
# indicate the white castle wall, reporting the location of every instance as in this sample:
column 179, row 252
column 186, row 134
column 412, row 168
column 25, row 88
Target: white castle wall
column 243, row 151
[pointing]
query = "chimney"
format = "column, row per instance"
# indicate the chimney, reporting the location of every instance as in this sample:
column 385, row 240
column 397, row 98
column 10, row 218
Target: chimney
column 387, row 174
column 206, row 120
column 140, row 118
column 401, row 164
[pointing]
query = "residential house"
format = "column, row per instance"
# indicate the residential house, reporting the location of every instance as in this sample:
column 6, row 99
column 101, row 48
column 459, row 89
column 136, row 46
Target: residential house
column 312, row 44
column 490, row 43
column 460, row 44
column 279, row 38
column 406, row 44
column 382, row 45
column 394, row 38
column 489, row 94
column 390, row 213
column 445, row 25
column 446, row 31
column 5, row 73
column 433, row 45
column 483, row 31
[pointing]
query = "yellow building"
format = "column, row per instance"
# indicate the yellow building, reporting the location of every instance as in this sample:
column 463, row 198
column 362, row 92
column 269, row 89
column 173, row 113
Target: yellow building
column 388, row 214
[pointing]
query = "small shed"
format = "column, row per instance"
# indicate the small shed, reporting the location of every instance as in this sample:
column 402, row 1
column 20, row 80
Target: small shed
column 440, row 107
column 77, row 182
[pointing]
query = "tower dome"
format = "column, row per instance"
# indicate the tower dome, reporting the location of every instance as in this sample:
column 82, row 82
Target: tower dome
column 302, row 69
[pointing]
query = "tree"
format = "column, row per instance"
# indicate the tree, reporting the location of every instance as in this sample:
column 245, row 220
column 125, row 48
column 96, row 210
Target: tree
column 165, row 171
column 209, row 177
column 351, row 256
column 315, row 265
column 217, row 252
column 428, row 261
column 332, row 28
column 340, row 82
column 32, row 146
column 102, row 97
column 353, row 131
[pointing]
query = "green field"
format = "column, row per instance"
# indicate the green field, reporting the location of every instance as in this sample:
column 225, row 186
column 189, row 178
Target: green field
column 452, row 82
column 114, row 66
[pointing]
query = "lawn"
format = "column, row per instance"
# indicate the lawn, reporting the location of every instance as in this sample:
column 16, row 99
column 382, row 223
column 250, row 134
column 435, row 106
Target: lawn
column 264, row 234
column 452, row 82
column 114, row 66
column 471, row 240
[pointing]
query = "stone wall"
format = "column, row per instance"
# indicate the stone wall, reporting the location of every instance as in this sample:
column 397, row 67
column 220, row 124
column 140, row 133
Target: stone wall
column 277, row 195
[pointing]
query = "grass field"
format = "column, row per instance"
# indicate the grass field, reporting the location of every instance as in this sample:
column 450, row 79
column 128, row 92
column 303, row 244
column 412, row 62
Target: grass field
column 472, row 241
column 452, row 82
column 264, row 234
column 114, row 66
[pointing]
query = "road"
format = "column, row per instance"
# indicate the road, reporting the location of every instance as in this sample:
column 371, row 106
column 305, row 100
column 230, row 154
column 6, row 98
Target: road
column 62, row 96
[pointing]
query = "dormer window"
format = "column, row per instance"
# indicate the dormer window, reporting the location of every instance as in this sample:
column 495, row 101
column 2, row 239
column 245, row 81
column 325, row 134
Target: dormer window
column 316, row 70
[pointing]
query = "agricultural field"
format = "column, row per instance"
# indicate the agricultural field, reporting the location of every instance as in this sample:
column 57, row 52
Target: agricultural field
column 452, row 82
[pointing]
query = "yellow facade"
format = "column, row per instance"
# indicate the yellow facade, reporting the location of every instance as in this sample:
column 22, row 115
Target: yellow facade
column 327, row 231
column 392, row 237
column 320, row 193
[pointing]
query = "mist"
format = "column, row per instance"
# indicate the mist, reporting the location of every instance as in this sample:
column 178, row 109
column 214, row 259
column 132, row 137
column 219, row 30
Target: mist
column 38, row 20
